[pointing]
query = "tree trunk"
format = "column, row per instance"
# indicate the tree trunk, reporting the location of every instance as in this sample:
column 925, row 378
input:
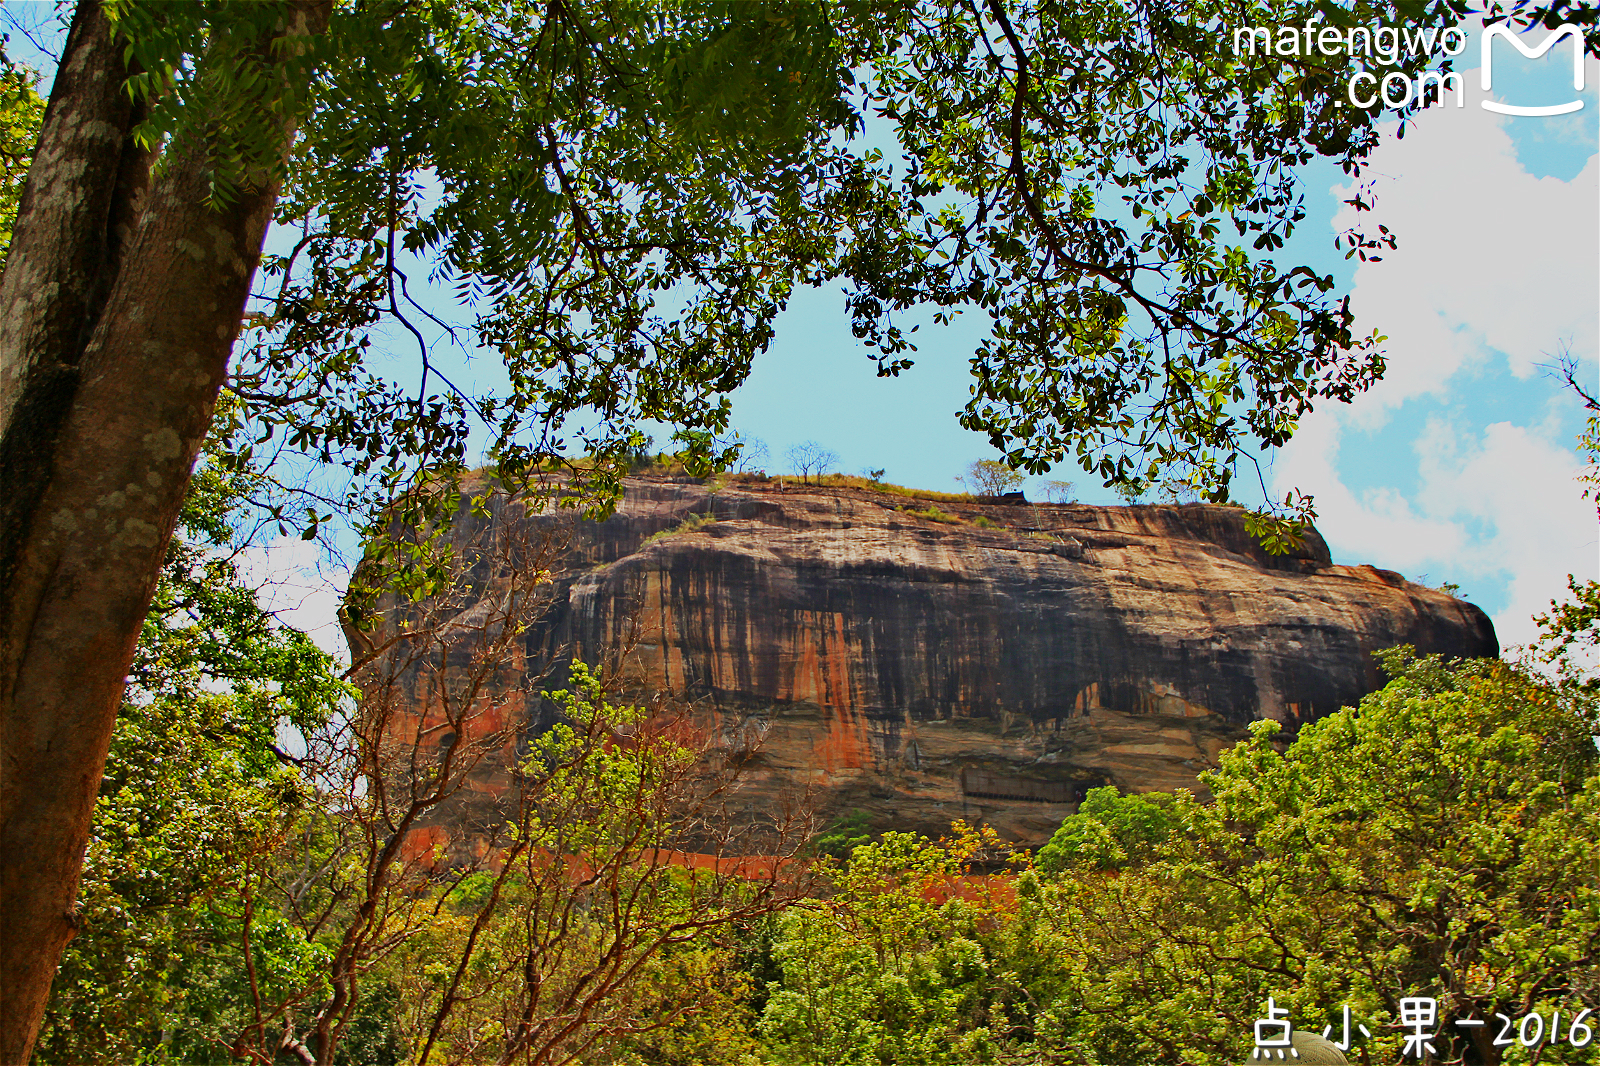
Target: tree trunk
column 118, row 311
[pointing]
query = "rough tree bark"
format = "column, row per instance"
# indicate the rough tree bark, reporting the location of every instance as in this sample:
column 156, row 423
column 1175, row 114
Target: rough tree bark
column 120, row 303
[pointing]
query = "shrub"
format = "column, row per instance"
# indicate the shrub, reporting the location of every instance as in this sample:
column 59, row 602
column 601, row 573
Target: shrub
column 1109, row 830
column 698, row 520
column 932, row 514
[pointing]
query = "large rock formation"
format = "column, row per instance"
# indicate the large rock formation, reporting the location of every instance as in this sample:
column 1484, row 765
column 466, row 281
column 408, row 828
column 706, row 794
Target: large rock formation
column 986, row 662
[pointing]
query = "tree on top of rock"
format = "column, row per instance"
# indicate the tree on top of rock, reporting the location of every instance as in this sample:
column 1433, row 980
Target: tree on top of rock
column 985, row 477
column 808, row 457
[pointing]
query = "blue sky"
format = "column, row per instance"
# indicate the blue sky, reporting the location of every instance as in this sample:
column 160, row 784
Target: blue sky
column 1458, row 467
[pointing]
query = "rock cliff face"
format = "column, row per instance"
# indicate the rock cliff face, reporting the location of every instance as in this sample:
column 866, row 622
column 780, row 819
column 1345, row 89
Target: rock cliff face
column 986, row 662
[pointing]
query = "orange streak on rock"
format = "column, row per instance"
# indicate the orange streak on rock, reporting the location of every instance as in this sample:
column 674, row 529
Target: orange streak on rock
column 823, row 673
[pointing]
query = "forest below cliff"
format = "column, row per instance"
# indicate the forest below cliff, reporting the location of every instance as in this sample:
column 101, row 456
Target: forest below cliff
column 258, row 884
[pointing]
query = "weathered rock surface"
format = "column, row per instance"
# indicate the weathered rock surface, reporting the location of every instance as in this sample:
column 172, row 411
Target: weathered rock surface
column 991, row 666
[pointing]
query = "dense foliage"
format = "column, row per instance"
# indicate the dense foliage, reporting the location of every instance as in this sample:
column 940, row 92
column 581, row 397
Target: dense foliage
column 1436, row 841
column 1110, row 830
column 20, row 113
column 884, row 970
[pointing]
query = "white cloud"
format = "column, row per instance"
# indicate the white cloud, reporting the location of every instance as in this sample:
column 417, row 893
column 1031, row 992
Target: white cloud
column 296, row 583
column 1519, row 488
column 1490, row 258
column 1495, row 270
column 1500, row 505
column 1379, row 526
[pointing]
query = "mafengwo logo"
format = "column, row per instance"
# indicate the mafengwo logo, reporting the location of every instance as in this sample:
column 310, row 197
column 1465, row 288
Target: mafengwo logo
column 1383, row 46
column 1500, row 30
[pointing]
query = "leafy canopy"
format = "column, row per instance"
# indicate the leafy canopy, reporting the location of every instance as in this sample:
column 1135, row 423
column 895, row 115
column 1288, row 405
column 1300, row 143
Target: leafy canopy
column 1109, row 830
column 887, row 968
column 623, row 197
column 1438, row 840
